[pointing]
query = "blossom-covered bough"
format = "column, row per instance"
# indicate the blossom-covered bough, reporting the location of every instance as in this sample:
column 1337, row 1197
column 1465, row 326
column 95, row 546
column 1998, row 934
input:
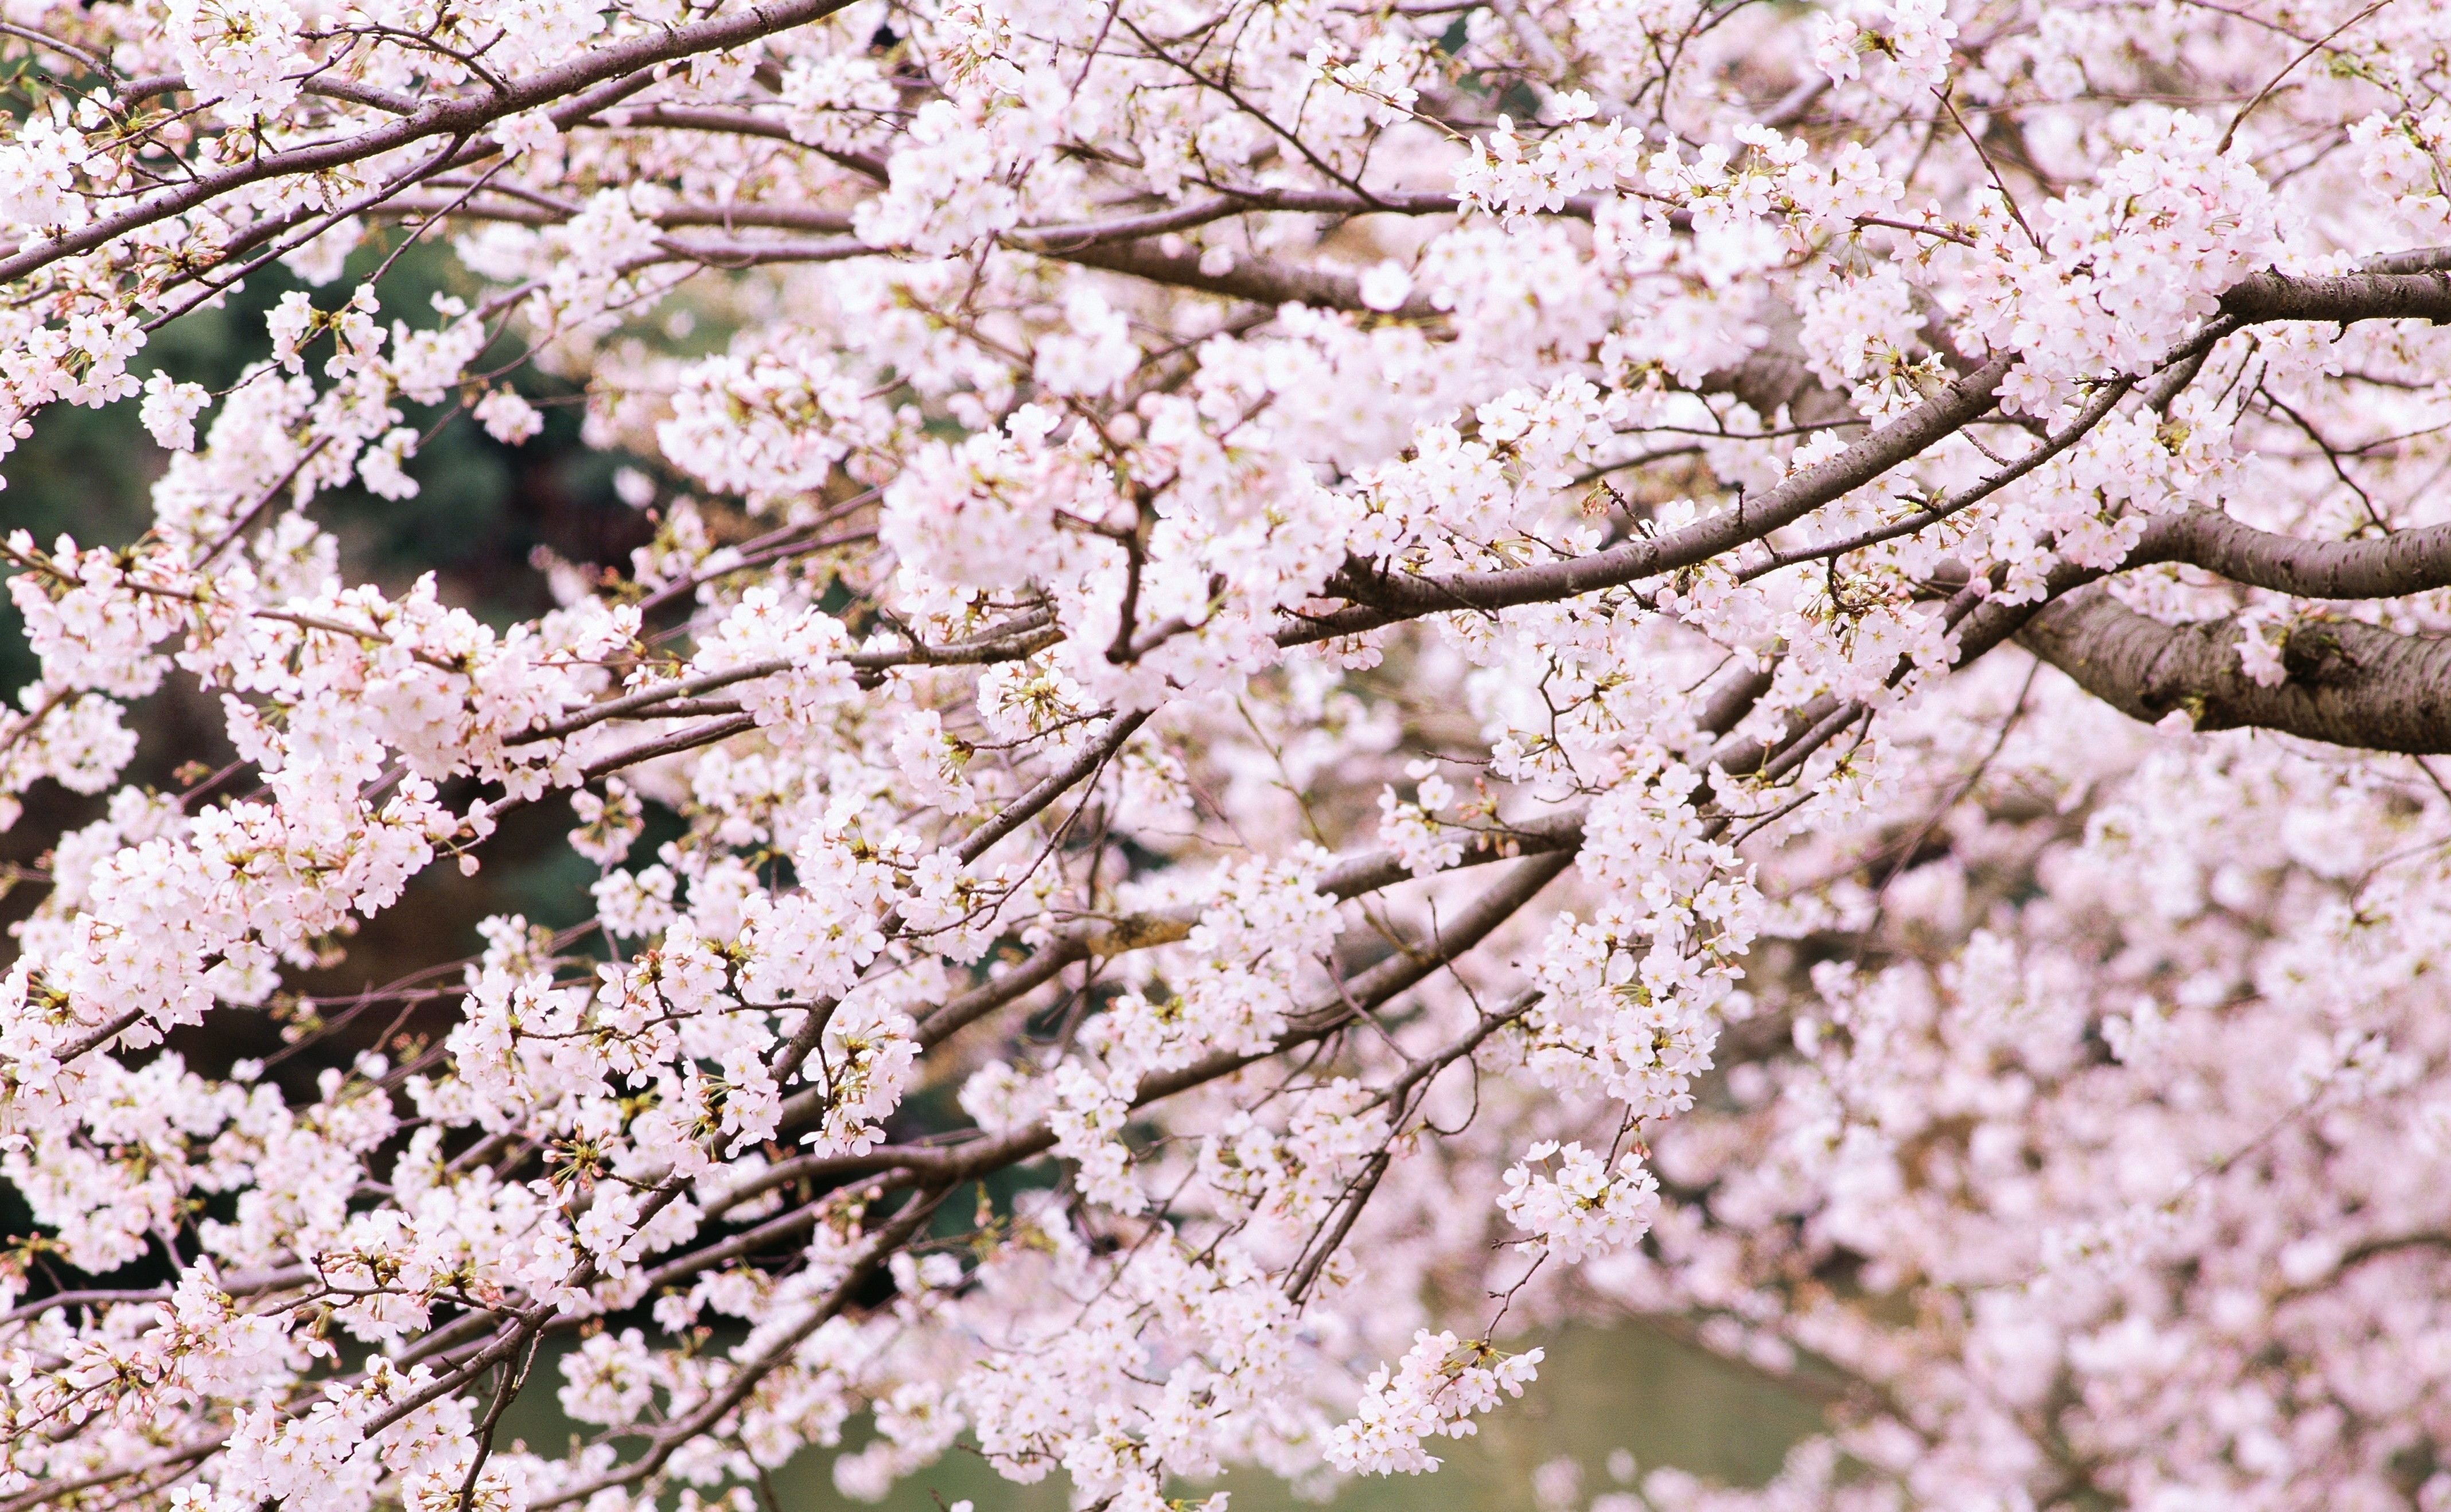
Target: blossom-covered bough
column 1329, row 677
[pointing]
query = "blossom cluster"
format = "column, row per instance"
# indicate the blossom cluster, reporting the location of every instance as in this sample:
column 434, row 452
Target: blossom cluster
column 1769, row 670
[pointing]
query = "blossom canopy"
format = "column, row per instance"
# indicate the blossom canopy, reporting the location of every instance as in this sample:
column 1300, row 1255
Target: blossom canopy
column 1314, row 680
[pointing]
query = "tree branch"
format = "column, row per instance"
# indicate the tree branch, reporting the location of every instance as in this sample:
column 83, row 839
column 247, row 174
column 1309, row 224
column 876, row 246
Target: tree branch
column 2346, row 298
column 1260, row 279
column 1382, row 598
column 589, row 82
column 2347, row 684
column 2410, row 562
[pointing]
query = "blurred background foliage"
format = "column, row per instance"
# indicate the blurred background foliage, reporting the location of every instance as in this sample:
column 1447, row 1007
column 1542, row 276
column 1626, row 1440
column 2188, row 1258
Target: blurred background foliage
column 1612, row 1404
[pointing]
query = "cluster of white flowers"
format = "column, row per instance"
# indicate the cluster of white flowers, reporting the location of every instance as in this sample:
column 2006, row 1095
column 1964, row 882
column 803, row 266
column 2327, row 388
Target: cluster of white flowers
column 1432, row 1393
column 1582, row 1208
column 1261, row 699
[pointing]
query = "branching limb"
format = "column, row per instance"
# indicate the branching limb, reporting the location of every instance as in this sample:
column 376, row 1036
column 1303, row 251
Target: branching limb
column 735, row 1390
column 588, row 83
column 1381, row 598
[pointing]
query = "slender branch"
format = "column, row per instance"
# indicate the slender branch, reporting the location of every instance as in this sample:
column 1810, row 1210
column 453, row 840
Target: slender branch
column 1022, row 810
column 1106, row 938
column 80, row 1299
column 689, row 739
column 1009, row 641
column 100, row 1034
column 42, row 1491
column 1262, row 280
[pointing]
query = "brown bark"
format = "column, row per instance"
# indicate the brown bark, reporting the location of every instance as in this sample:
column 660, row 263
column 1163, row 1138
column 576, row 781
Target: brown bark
column 2347, row 684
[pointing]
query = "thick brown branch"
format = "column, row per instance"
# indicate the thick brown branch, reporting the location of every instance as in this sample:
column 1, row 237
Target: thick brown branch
column 2348, row 684
column 1376, row 597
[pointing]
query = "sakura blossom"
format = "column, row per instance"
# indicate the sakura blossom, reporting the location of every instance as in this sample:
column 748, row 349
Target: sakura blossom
column 1315, row 683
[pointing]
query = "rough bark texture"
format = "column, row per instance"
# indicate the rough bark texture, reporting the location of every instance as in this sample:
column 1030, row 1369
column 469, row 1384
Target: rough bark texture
column 2348, row 684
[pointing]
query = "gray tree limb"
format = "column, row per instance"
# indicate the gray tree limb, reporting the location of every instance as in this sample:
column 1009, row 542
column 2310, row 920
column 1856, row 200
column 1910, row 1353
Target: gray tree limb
column 2346, row 298
column 2388, row 567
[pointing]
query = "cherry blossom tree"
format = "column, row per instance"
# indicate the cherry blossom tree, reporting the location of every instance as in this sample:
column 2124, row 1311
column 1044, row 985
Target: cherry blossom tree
column 1324, row 678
